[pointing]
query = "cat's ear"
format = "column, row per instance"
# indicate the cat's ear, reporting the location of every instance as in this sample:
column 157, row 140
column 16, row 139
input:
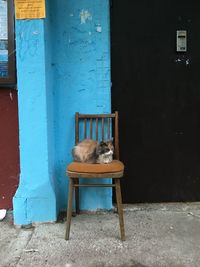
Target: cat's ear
column 102, row 143
column 110, row 141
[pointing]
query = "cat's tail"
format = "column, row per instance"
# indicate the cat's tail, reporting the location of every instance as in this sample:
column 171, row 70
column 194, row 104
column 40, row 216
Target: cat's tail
column 74, row 155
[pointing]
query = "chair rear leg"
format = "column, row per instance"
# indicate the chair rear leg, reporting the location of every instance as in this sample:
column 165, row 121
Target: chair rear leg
column 119, row 207
column 77, row 196
column 69, row 208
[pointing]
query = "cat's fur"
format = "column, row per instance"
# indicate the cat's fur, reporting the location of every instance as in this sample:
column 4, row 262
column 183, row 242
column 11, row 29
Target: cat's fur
column 90, row 151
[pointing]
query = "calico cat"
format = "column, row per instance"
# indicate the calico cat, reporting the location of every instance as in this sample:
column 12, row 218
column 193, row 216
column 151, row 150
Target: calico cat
column 90, row 151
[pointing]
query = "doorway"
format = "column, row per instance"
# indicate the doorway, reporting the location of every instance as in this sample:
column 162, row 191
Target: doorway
column 157, row 93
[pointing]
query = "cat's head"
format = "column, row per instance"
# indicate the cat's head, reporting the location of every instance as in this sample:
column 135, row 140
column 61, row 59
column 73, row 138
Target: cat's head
column 105, row 147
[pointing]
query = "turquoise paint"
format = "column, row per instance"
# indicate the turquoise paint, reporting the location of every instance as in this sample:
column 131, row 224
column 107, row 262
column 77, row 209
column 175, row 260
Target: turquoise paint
column 35, row 198
column 81, row 61
column 63, row 66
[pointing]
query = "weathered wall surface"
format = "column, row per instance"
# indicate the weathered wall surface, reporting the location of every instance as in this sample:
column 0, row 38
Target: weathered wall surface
column 81, row 62
column 35, row 198
column 63, row 66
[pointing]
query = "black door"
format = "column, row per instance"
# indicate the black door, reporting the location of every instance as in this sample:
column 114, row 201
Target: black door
column 157, row 93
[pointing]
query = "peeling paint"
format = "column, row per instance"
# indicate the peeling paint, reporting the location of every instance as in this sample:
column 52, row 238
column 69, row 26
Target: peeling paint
column 30, row 40
column 99, row 28
column 183, row 60
column 85, row 15
column 11, row 96
column 79, row 78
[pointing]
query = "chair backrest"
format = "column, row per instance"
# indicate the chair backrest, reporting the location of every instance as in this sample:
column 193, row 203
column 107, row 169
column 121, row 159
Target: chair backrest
column 98, row 127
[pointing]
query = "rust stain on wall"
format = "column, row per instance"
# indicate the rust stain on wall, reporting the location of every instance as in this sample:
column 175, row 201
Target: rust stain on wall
column 9, row 147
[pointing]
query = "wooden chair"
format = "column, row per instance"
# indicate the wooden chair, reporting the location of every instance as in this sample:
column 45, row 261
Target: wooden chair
column 100, row 125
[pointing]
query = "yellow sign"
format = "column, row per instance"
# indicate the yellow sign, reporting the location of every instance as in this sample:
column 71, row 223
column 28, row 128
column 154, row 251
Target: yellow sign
column 30, row 9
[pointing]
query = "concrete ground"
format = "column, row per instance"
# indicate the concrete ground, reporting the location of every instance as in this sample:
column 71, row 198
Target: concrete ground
column 156, row 235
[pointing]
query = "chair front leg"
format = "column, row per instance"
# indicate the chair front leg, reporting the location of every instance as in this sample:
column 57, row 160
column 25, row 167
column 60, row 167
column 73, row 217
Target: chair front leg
column 69, row 208
column 119, row 207
column 77, row 196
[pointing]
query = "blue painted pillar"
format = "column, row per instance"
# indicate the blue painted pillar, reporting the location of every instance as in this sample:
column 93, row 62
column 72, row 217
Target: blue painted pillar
column 35, row 198
column 63, row 66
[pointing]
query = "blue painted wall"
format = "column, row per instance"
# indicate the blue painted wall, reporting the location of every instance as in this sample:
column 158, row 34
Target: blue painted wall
column 63, row 66
column 81, row 61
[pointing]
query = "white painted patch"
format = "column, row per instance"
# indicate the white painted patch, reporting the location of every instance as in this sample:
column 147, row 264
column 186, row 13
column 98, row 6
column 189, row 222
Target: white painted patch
column 187, row 62
column 11, row 96
column 85, row 15
column 71, row 15
column 99, row 28
column 2, row 214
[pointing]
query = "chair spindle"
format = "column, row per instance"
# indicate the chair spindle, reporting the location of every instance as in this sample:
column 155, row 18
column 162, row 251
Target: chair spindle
column 108, row 128
column 90, row 128
column 102, row 129
column 97, row 129
column 85, row 128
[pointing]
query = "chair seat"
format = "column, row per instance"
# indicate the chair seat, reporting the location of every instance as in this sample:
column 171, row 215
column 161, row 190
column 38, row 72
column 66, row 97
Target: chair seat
column 115, row 167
